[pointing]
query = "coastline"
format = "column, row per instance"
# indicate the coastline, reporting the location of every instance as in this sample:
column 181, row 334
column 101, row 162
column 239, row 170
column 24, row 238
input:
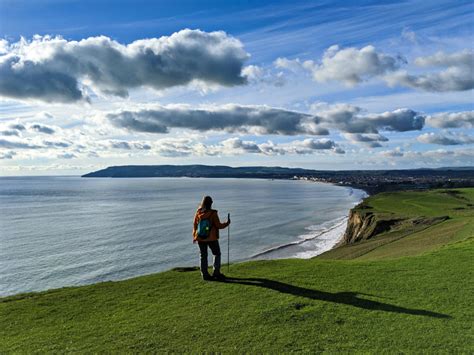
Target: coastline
column 320, row 238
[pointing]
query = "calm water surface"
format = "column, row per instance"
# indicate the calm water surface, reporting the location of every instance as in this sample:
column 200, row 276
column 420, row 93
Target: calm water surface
column 64, row 231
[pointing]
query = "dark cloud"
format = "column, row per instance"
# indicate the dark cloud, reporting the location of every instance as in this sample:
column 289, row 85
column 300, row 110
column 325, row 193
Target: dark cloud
column 320, row 144
column 17, row 126
column 56, row 144
column 4, row 143
column 53, row 69
column 307, row 146
column 401, row 120
column 120, row 145
column 42, row 128
column 229, row 118
column 239, row 144
column 349, row 119
column 7, row 155
column 10, row 132
column 446, row 138
column 27, row 144
column 265, row 120
column 129, row 145
column 29, row 80
column 13, row 129
column 452, row 120
column 371, row 139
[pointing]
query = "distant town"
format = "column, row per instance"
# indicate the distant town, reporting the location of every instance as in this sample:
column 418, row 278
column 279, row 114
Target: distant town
column 395, row 180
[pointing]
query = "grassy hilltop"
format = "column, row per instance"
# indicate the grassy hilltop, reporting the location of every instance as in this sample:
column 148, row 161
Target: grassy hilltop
column 406, row 289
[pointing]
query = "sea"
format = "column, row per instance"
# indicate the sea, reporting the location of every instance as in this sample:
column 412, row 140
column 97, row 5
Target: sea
column 67, row 231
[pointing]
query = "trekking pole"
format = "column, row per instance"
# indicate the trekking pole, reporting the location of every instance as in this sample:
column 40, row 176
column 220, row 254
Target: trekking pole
column 228, row 243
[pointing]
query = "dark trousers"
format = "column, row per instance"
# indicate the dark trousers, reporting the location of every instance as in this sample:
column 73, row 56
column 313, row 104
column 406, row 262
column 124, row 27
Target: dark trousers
column 216, row 251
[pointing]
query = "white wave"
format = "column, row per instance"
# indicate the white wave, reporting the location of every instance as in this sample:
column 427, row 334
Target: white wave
column 326, row 241
column 319, row 239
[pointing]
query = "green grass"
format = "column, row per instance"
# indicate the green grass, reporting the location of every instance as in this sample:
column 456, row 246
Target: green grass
column 383, row 303
column 410, row 240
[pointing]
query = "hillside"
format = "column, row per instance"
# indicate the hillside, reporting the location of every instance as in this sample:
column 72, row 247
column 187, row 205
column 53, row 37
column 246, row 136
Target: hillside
column 198, row 171
column 406, row 223
column 412, row 294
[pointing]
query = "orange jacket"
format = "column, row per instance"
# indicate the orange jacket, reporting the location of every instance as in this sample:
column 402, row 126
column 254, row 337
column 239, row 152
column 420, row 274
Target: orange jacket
column 215, row 225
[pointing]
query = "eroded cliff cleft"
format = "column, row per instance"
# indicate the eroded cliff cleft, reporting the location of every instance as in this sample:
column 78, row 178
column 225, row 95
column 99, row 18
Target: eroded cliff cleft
column 364, row 224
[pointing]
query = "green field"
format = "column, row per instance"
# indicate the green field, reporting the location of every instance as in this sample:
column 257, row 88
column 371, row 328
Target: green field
column 406, row 290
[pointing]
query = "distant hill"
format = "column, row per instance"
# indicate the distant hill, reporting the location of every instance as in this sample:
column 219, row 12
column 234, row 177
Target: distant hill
column 199, row 171
column 275, row 172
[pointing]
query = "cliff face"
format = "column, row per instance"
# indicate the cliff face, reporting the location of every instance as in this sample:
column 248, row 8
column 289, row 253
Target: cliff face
column 363, row 225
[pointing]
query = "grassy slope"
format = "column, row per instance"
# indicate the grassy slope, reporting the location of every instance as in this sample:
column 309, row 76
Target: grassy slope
column 406, row 304
column 436, row 203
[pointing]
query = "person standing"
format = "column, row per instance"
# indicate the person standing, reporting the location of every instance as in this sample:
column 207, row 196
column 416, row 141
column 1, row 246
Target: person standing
column 206, row 234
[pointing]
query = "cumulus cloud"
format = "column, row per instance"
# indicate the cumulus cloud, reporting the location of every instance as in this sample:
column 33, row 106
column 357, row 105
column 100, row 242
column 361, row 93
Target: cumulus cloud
column 265, row 120
column 13, row 129
column 56, row 144
column 12, row 144
column 348, row 65
column 32, row 144
column 7, row 155
column 53, row 69
column 42, row 128
column 352, row 65
column 182, row 147
column 229, row 118
column 451, row 72
column 448, row 138
column 66, row 156
column 237, row 144
column 439, row 156
column 258, row 75
column 301, row 147
column 10, row 132
column 394, row 153
column 371, row 139
column 452, row 120
column 457, row 75
column 350, row 119
column 129, row 145
column 17, row 126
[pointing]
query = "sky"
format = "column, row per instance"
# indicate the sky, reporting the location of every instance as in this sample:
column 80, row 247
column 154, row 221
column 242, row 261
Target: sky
column 327, row 85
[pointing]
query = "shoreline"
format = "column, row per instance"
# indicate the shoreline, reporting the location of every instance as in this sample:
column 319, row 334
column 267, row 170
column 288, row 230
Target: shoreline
column 341, row 223
column 327, row 237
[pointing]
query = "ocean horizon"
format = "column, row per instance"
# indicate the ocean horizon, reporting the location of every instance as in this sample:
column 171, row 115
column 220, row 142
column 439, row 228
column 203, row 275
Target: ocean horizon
column 59, row 231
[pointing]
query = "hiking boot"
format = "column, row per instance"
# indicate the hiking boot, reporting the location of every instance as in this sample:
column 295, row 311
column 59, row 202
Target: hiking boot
column 207, row 277
column 218, row 276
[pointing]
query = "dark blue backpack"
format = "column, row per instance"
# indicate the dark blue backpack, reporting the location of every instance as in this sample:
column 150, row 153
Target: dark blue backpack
column 204, row 228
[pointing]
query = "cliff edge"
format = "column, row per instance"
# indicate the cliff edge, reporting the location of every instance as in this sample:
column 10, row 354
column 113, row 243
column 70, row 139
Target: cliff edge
column 400, row 218
column 365, row 224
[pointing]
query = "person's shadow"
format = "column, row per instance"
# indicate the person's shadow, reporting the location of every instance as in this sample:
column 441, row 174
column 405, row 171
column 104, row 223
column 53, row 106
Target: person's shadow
column 349, row 298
